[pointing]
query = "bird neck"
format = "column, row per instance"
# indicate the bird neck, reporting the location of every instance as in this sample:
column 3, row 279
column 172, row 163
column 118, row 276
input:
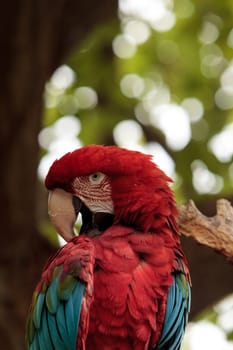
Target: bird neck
column 95, row 223
column 150, row 212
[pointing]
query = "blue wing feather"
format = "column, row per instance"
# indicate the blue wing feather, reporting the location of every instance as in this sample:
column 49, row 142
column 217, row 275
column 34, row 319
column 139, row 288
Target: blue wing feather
column 72, row 313
column 44, row 339
column 37, row 312
column 62, row 324
column 66, row 281
column 43, row 335
column 54, row 321
column 173, row 312
column 177, row 309
column 33, row 345
column 53, row 331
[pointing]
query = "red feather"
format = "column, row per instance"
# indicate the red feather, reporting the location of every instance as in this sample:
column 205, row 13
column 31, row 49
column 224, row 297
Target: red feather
column 139, row 188
column 134, row 259
column 130, row 287
column 132, row 272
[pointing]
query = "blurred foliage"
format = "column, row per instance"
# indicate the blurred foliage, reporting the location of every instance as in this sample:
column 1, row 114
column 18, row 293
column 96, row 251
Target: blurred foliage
column 176, row 59
column 188, row 60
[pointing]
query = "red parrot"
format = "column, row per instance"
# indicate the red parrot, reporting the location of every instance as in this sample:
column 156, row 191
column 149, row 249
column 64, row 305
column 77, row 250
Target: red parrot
column 123, row 282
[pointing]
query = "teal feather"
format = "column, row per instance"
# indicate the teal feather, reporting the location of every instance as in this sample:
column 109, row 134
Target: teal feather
column 55, row 315
column 178, row 306
column 77, row 306
column 170, row 298
column 62, row 324
column 72, row 314
column 44, row 332
column 78, row 296
column 69, row 316
column 179, row 334
column 176, row 311
column 34, row 343
column 43, row 340
column 54, row 333
column 37, row 312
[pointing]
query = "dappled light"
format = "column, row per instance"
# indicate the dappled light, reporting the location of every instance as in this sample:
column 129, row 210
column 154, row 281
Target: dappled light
column 224, row 95
column 154, row 76
column 205, row 335
column 161, row 157
column 132, row 85
column 170, row 118
column 158, row 13
column 160, row 83
column 166, row 22
column 209, row 33
column 63, row 77
column 224, row 99
column 58, row 139
column 142, row 113
column 139, row 31
column 182, row 119
column 212, row 61
column 57, row 149
column 158, row 95
column 224, row 311
column 128, row 133
column 204, row 181
column 222, row 144
column 85, row 97
column 194, row 108
column 124, row 46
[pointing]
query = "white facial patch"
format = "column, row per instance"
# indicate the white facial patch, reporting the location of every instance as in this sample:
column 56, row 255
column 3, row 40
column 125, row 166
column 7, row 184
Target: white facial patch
column 95, row 192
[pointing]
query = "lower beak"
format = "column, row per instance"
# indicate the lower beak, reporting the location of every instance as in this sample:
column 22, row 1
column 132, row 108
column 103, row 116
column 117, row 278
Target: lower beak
column 62, row 213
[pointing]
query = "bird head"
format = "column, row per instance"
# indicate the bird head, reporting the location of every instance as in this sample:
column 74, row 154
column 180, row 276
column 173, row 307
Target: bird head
column 109, row 182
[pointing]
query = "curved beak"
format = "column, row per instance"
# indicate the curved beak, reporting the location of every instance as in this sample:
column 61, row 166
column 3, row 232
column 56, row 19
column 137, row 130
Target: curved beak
column 62, row 212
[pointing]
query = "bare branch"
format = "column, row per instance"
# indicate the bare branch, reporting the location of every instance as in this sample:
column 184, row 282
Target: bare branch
column 215, row 232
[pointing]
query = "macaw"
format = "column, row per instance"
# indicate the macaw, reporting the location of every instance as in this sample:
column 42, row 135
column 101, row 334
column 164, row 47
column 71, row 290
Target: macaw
column 122, row 282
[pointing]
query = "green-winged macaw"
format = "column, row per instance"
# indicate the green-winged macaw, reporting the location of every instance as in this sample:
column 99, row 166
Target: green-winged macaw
column 123, row 281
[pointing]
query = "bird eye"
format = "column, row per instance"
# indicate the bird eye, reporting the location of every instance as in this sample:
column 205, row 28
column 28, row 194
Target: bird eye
column 96, row 178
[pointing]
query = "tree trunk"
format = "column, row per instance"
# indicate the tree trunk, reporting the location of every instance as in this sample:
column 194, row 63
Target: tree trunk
column 35, row 37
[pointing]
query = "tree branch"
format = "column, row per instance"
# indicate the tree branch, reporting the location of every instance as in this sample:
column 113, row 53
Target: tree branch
column 215, row 232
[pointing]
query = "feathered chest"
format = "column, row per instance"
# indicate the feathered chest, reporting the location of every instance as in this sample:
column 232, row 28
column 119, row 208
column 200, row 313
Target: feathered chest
column 131, row 278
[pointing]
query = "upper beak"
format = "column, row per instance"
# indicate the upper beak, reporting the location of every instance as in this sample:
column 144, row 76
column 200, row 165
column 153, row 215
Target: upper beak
column 62, row 212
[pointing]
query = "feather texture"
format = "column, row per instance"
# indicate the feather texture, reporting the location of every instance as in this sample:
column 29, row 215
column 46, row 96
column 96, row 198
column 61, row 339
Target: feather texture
column 65, row 286
column 176, row 317
column 120, row 286
column 133, row 285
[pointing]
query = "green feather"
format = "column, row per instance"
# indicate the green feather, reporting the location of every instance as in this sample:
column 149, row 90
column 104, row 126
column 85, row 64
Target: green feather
column 30, row 331
column 66, row 286
column 37, row 310
column 52, row 297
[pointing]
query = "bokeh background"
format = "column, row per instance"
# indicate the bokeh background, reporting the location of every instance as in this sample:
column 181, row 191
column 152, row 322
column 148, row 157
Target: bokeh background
column 151, row 75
